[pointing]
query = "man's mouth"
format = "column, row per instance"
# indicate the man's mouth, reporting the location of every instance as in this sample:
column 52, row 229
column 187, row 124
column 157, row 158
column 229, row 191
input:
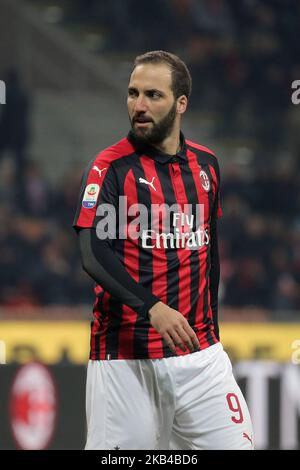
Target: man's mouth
column 142, row 123
column 142, row 120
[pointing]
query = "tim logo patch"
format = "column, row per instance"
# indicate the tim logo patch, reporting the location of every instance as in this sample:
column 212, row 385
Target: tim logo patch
column 90, row 196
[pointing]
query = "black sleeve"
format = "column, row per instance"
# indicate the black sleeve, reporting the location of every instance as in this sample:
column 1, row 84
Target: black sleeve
column 101, row 263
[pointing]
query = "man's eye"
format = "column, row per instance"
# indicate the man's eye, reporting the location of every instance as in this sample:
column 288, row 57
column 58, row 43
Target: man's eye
column 154, row 94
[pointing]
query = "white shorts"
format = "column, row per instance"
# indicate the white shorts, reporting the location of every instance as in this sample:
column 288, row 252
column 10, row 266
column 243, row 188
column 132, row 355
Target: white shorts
column 182, row 402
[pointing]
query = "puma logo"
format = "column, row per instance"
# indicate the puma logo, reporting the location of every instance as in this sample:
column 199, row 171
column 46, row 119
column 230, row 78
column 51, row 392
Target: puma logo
column 149, row 183
column 98, row 169
column 247, row 437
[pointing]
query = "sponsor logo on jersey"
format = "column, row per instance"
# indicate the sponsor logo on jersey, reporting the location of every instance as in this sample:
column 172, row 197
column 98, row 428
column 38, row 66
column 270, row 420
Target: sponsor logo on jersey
column 90, row 196
column 160, row 226
column 177, row 239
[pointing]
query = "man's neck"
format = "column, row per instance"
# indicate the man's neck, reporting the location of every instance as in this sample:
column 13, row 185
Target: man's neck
column 171, row 145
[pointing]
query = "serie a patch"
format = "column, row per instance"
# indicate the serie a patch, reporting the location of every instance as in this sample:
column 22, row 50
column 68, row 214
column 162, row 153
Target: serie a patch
column 90, row 196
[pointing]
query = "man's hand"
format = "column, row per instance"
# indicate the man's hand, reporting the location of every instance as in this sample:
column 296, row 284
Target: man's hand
column 173, row 327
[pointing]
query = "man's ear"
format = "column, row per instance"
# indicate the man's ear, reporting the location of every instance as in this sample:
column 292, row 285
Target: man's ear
column 182, row 104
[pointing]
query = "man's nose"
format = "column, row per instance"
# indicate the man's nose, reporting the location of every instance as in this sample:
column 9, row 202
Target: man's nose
column 140, row 104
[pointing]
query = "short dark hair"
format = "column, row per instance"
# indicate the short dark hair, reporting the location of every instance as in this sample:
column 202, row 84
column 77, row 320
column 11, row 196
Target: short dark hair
column 181, row 77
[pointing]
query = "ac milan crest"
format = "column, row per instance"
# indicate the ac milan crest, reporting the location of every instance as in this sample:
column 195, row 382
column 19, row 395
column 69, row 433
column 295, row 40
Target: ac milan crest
column 204, row 180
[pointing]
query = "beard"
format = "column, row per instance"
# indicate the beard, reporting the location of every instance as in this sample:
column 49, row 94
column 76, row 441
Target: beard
column 158, row 132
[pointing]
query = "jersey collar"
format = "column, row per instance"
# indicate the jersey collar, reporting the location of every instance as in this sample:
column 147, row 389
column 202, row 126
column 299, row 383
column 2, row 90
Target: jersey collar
column 156, row 154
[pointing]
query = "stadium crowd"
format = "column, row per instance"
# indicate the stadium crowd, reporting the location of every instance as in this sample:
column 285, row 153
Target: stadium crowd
column 242, row 54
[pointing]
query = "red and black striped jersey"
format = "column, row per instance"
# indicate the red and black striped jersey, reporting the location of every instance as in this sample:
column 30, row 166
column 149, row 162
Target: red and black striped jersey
column 156, row 210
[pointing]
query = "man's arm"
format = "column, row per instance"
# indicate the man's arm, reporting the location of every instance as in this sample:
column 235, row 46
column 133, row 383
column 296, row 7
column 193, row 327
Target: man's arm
column 100, row 262
column 97, row 255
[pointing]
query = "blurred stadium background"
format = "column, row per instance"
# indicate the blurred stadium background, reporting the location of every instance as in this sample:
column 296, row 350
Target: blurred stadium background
column 66, row 65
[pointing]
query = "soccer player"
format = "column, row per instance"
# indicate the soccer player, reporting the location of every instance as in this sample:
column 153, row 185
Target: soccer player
column 158, row 377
